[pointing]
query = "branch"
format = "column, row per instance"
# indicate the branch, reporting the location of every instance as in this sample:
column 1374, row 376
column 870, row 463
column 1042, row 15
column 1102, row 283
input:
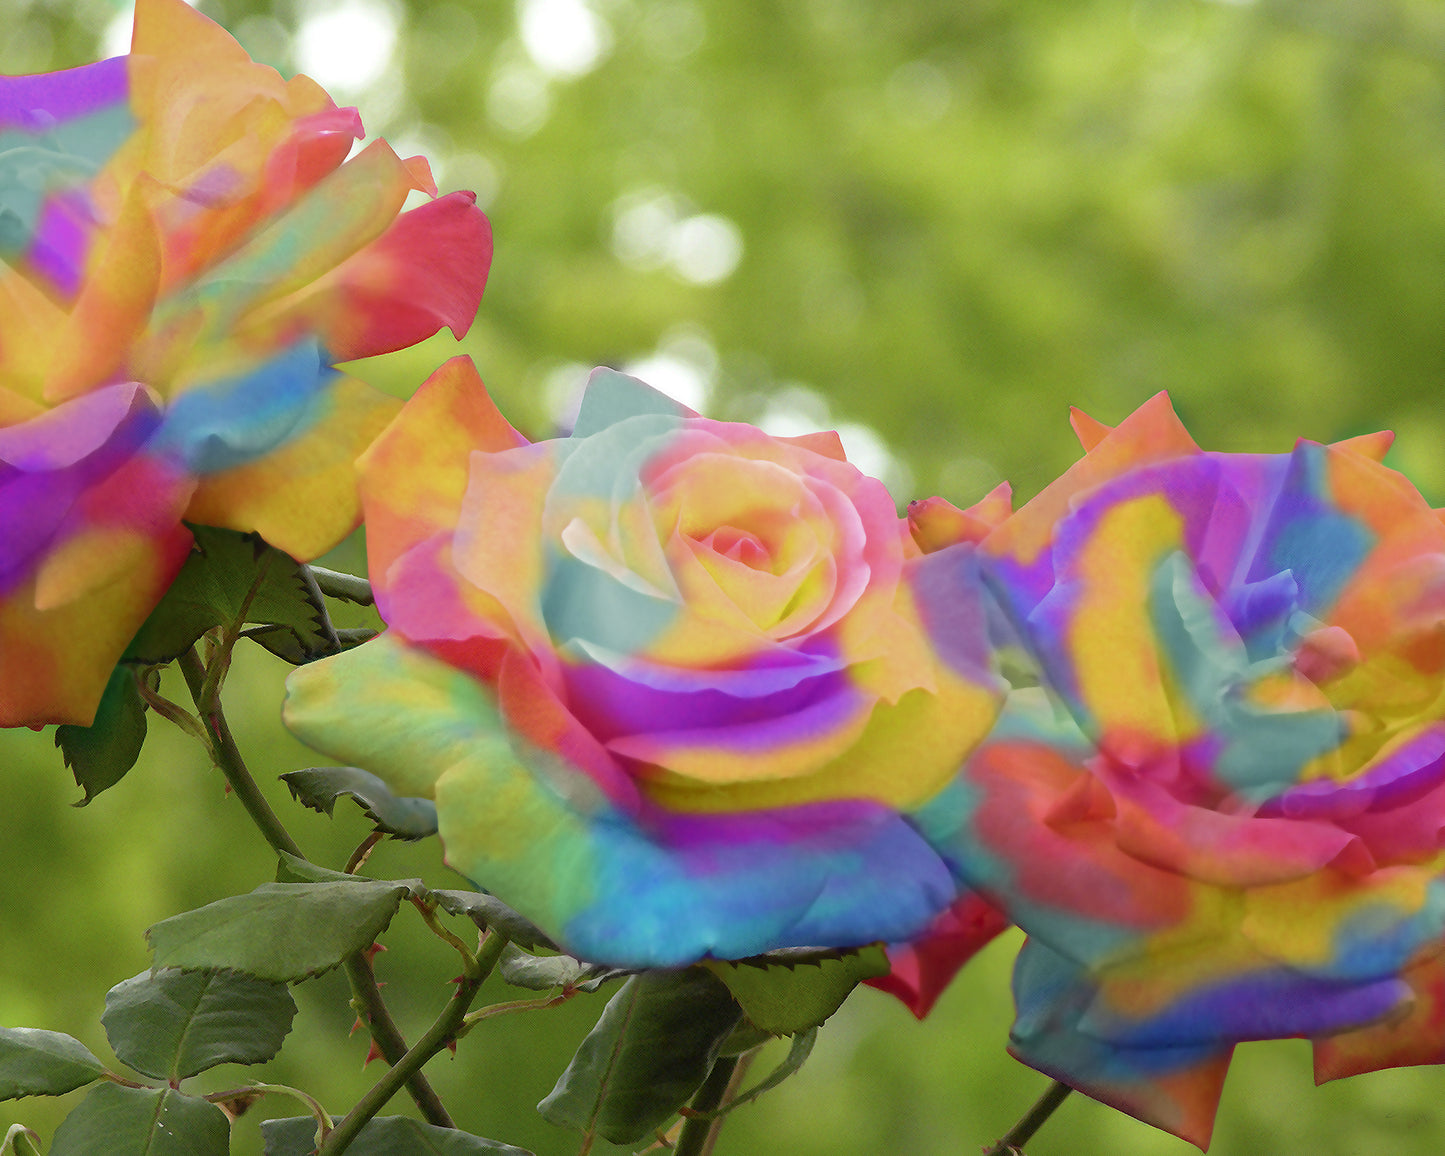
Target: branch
column 225, row 754
column 438, row 1036
column 227, row 757
column 699, row 1132
column 1021, row 1133
column 366, row 996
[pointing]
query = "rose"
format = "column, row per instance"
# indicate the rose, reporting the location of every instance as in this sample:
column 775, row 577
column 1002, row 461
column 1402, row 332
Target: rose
column 670, row 681
column 185, row 256
column 1219, row 818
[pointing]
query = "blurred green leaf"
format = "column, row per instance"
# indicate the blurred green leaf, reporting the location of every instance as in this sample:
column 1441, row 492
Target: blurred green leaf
column 290, row 869
column 320, row 787
column 172, row 1024
column 489, row 911
column 798, row 1053
column 796, row 997
column 20, row 1141
column 545, row 972
column 539, row 972
column 650, row 1051
column 280, row 931
column 224, row 571
column 383, row 1136
column 744, row 1038
column 117, row 1121
column 35, row 1062
column 100, row 755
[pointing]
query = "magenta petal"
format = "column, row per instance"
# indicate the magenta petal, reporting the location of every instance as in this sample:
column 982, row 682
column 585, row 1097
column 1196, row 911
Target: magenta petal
column 37, row 103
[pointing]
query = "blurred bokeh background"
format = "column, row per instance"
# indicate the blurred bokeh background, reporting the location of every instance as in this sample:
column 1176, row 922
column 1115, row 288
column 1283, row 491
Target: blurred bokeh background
column 930, row 224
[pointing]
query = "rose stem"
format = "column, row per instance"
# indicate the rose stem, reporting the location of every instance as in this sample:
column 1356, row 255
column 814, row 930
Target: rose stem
column 365, row 993
column 439, row 1035
column 699, row 1133
column 1022, row 1132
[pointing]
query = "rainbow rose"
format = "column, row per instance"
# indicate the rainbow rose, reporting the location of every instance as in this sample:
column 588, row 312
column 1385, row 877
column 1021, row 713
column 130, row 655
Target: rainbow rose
column 670, row 681
column 185, row 255
column 1220, row 815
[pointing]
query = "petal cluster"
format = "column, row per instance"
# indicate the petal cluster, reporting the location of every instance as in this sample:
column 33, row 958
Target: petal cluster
column 1219, row 815
column 672, row 682
column 185, row 252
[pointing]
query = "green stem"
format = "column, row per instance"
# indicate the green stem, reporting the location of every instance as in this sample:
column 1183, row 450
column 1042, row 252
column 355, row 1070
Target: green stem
column 428, row 914
column 334, row 583
column 516, row 1005
column 438, row 1036
column 227, row 756
column 1022, row 1132
column 251, row 1091
column 699, row 1133
column 309, row 576
column 366, row 996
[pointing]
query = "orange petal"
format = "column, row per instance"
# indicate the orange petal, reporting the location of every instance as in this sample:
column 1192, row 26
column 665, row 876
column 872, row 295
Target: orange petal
column 1152, row 433
column 1089, row 432
column 54, row 663
column 825, row 442
column 1372, row 445
column 1416, row 1037
column 424, row 458
column 936, row 523
column 174, row 28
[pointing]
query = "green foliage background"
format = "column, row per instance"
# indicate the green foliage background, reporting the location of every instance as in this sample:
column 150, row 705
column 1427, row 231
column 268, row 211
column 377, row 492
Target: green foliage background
column 958, row 217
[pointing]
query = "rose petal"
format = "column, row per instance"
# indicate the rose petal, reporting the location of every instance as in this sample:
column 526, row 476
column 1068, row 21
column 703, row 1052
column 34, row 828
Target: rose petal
column 649, row 889
column 1174, row 1088
column 301, row 496
column 1416, row 1035
column 923, row 968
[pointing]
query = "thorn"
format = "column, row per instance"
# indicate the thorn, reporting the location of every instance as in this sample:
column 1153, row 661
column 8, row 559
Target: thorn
column 356, row 1027
column 372, row 1053
column 373, row 951
column 452, row 1045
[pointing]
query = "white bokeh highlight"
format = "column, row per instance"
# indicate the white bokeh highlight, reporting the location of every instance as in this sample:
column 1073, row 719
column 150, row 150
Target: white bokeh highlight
column 564, row 38
column 654, row 228
column 347, row 47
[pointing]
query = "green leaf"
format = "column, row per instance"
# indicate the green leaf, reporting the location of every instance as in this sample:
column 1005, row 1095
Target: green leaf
column 382, row 1136
column 789, row 998
column 172, row 1024
column 100, row 755
column 488, row 911
column 650, row 1051
column 798, row 1054
column 280, row 931
column 232, row 578
column 290, row 869
column 20, row 1141
column 117, row 1121
column 545, row 972
column 745, row 1037
column 320, row 787
column 35, row 1062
